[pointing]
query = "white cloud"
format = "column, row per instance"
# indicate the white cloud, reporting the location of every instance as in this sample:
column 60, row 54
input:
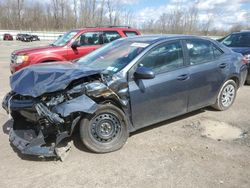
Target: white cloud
column 223, row 12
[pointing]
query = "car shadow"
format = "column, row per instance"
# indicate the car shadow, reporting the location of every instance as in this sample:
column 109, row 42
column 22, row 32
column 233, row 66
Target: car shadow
column 209, row 108
column 166, row 122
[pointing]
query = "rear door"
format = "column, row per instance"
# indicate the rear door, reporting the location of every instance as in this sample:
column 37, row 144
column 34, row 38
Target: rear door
column 208, row 71
column 165, row 96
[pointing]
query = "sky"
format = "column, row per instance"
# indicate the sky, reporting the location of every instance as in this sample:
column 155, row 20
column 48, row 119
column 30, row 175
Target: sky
column 224, row 13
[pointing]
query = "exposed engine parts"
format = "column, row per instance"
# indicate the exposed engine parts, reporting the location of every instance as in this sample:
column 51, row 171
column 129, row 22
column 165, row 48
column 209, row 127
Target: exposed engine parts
column 52, row 117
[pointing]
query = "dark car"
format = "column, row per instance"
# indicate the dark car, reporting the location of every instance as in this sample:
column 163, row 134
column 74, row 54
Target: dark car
column 19, row 36
column 124, row 86
column 7, row 36
column 240, row 42
column 35, row 38
column 26, row 38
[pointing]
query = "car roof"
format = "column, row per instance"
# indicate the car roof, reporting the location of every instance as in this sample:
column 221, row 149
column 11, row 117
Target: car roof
column 241, row 32
column 157, row 38
column 105, row 28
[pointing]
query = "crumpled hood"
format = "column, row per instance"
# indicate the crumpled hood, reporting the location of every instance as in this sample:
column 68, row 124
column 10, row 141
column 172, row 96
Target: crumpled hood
column 242, row 50
column 46, row 78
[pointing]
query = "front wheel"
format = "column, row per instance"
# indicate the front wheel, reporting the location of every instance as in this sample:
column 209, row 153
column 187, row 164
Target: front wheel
column 104, row 131
column 226, row 96
column 248, row 79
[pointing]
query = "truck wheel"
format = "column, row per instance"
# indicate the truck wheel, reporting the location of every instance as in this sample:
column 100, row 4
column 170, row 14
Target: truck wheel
column 226, row 96
column 104, row 131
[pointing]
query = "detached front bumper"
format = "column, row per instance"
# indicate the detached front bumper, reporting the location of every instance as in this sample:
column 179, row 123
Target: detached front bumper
column 28, row 134
column 27, row 142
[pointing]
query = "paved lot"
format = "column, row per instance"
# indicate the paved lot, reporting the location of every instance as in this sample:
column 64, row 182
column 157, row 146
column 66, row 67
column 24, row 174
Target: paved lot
column 175, row 153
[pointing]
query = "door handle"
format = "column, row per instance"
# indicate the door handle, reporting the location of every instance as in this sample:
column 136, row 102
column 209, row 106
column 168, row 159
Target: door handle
column 183, row 77
column 223, row 65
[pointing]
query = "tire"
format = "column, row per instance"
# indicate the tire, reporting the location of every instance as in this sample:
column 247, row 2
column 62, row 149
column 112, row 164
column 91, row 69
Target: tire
column 104, row 131
column 226, row 96
column 248, row 79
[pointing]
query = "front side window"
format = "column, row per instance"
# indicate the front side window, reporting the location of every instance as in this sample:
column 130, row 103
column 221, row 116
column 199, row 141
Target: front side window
column 200, row 51
column 163, row 58
column 237, row 40
column 89, row 38
column 109, row 36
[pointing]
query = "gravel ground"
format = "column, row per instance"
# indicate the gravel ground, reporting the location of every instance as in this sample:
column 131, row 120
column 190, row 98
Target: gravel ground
column 204, row 148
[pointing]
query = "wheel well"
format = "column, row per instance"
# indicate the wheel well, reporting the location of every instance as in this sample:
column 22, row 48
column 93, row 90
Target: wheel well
column 46, row 61
column 111, row 101
column 234, row 78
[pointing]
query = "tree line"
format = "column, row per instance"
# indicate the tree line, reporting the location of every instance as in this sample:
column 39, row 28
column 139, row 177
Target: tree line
column 62, row 15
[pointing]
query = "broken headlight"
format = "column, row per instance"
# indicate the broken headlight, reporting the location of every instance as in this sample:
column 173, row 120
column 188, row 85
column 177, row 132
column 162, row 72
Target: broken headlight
column 55, row 100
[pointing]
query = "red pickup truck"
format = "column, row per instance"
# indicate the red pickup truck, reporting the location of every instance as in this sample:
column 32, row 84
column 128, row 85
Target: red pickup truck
column 72, row 45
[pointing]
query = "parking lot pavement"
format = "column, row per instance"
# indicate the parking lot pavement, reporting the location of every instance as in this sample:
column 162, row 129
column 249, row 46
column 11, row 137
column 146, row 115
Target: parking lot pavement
column 204, row 148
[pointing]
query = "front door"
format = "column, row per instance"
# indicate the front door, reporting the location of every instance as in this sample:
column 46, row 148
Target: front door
column 165, row 96
column 87, row 42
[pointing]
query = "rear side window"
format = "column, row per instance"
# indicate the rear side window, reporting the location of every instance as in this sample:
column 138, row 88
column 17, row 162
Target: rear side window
column 130, row 33
column 201, row 51
column 217, row 52
column 109, row 36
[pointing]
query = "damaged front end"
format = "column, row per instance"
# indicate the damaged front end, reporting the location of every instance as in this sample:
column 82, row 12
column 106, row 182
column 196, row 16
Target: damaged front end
column 42, row 122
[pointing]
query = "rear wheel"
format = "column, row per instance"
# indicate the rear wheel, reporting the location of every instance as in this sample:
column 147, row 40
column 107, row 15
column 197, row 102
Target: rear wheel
column 226, row 96
column 104, row 131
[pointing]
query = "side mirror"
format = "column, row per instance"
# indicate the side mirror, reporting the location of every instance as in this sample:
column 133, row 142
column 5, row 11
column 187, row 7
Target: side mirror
column 75, row 44
column 144, row 73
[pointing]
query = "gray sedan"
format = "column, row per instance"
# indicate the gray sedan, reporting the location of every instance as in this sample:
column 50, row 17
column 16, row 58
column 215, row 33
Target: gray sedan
column 124, row 86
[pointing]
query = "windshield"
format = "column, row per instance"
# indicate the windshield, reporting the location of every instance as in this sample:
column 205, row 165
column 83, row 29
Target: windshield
column 237, row 40
column 115, row 56
column 61, row 41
